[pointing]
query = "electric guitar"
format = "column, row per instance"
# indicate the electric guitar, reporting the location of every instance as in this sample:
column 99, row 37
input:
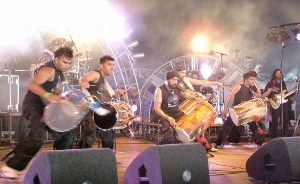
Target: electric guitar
column 276, row 100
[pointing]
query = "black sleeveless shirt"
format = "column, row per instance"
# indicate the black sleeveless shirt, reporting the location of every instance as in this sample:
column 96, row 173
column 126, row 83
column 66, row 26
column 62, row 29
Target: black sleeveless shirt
column 170, row 102
column 97, row 88
column 244, row 94
column 49, row 86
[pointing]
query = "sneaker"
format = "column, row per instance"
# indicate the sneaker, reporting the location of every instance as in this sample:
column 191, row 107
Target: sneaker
column 213, row 149
column 8, row 173
column 219, row 147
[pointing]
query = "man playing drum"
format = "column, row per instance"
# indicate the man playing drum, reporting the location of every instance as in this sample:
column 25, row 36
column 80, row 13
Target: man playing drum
column 94, row 81
column 42, row 86
column 166, row 106
column 241, row 93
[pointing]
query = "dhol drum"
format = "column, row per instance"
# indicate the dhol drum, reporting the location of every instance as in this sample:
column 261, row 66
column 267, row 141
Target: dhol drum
column 113, row 115
column 248, row 111
column 66, row 114
column 199, row 115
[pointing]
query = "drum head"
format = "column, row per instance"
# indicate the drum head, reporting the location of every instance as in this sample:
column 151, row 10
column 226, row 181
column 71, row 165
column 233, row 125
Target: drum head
column 62, row 116
column 105, row 117
column 182, row 135
column 234, row 117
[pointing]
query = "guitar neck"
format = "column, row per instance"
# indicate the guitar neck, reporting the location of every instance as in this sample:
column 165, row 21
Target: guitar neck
column 290, row 93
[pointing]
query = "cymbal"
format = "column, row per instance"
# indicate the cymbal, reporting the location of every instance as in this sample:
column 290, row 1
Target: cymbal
column 216, row 76
column 69, row 44
column 57, row 42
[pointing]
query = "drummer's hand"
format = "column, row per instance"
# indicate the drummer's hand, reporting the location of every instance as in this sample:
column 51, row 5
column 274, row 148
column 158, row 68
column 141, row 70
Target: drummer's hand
column 54, row 98
column 172, row 121
column 120, row 92
column 224, row 114
column 85, row 84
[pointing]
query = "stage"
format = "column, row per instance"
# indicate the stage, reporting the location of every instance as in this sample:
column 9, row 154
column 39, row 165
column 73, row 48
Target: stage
column 227, row 165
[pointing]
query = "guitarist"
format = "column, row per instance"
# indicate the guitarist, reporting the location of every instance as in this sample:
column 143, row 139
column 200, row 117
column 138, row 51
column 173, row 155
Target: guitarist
column 276, row 113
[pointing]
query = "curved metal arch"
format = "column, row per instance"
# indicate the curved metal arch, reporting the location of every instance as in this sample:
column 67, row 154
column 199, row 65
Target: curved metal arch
column 124, row 74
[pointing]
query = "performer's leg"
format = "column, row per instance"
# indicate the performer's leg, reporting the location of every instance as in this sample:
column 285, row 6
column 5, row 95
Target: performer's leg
column 168, row 133
column 64, row 140
column 31, row 143
column 225, row 130
column 107, row 138
column 286, row 119
column 88, row 131
column 274, row 126
column 258, row 138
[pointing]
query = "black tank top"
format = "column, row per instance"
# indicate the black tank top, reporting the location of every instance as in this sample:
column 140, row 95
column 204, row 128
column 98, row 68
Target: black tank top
column 97, row 87
column 244, row 94
column 170, row 102
column 49, row 86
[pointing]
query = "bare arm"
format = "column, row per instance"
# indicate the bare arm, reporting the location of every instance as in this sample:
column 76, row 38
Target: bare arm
column 45, row 74
column 89, row 77
column 204, row 82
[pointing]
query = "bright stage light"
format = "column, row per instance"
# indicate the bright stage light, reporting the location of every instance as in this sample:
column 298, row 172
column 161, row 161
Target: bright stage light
column 139, row 55
column 199, row 43
column 206, row 70
column 84, row 20
column 134, row 108
column 298, row 36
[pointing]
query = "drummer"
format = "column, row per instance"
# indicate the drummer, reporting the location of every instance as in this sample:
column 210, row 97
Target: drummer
column 40, row 88
column 166, row 107
column 241, row 93
column 94, row 81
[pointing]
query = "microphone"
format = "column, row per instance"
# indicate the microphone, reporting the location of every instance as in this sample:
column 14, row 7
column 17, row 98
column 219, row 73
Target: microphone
column 295, row 78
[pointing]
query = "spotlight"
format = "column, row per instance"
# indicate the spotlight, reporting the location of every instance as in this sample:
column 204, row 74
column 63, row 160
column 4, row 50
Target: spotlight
column 199, row 43
column 296, row 33
column 139, row 55
column 206, row 70
column 133, row 44
column 285, row 36
column 272, row 36
column 298, row 36
column 134, row 108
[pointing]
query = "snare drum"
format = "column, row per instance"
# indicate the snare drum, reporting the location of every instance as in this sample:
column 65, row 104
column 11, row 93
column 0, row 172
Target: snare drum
column 248, row 111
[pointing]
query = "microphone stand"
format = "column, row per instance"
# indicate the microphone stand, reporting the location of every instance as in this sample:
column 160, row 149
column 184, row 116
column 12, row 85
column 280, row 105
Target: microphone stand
column 222, row 70
column 281, row 86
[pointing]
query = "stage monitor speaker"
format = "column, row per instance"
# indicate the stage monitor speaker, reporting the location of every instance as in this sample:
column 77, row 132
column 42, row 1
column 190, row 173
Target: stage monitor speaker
column 88, row 166
column 276, row 161
column 165, row 164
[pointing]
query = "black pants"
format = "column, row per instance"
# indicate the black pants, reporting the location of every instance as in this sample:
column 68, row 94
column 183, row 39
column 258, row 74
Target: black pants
column 227, row 127
column 89, row 134
column 168, row 133
column 276, row 113
column 31, row 143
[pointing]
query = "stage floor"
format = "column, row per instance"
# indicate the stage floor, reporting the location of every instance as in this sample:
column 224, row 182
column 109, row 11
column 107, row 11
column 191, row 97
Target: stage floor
column 227, row 165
